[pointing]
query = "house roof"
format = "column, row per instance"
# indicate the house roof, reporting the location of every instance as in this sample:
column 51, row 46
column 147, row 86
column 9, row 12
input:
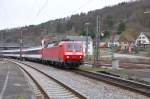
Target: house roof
column 128, row 37
column 147, row 34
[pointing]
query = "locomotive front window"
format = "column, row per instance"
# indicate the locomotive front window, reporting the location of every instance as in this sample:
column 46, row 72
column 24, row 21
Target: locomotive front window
column 77, row 47
column 73, row 46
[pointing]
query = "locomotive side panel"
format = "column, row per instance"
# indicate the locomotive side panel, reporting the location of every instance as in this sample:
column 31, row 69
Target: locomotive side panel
column 66, row 54
column 54, row 54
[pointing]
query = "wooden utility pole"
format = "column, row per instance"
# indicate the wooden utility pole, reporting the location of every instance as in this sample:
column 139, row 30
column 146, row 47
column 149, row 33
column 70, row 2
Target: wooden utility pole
column 21, row 44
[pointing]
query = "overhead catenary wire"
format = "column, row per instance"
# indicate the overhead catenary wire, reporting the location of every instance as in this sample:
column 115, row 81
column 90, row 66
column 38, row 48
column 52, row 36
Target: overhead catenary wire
column 40, row 10
column 82, row 6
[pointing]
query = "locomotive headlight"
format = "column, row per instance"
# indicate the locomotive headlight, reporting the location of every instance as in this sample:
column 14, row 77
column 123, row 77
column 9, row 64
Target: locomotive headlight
column 80, row 56
column 67, row 57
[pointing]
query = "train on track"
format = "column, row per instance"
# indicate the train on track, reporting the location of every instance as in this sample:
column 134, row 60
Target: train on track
column 68, row 54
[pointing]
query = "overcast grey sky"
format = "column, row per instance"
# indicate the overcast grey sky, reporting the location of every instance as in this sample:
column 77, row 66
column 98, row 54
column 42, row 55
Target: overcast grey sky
column 16, row 13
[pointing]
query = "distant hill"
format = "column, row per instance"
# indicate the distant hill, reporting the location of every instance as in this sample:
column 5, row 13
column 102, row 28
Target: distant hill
column 127, row 19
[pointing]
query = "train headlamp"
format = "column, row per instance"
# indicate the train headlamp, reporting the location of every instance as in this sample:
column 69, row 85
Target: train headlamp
column 67, row 57
column 80, row 56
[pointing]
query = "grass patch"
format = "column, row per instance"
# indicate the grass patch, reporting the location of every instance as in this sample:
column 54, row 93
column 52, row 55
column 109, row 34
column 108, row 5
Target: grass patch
column 122, row 72
column 94, row 69
column 20, row 97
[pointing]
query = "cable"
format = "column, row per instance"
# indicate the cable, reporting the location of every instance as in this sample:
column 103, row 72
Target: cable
column 85, row 4
column 41, row 9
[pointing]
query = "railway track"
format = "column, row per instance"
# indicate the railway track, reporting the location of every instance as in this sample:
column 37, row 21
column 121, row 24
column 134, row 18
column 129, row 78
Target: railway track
column 49, row 87
column 39, row 94
column 90, row 88
column 117, row 81
column 128, row 65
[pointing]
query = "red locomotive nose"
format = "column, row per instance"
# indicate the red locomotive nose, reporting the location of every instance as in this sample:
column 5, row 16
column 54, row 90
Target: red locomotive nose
column 74, row 51
column 74, row 55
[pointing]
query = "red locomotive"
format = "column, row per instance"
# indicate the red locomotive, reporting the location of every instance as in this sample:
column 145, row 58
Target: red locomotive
column 65, row 54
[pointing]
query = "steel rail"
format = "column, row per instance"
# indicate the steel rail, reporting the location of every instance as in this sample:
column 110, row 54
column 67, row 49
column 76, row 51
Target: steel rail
column 60, row 83
column 125, row 64
column 38, row 93
column 117, row 81
column 34, row 80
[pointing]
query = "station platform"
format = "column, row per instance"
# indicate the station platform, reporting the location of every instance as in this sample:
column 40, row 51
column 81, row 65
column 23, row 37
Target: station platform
column 13, row 83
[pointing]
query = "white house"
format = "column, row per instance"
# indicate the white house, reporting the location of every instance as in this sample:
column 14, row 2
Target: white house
column 83, row 39
column 142, row 39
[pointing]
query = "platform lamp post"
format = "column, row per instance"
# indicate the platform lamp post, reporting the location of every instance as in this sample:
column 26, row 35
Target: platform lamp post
column 87, row 33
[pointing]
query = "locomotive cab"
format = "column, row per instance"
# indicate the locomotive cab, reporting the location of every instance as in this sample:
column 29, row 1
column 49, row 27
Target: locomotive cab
column 73, row 53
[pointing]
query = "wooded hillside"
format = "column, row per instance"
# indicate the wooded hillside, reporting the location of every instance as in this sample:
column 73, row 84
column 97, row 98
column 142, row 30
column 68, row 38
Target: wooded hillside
column 124, row 18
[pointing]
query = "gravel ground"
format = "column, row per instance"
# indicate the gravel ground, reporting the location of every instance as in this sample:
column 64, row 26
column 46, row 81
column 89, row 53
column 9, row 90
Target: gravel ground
column 92, row 89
